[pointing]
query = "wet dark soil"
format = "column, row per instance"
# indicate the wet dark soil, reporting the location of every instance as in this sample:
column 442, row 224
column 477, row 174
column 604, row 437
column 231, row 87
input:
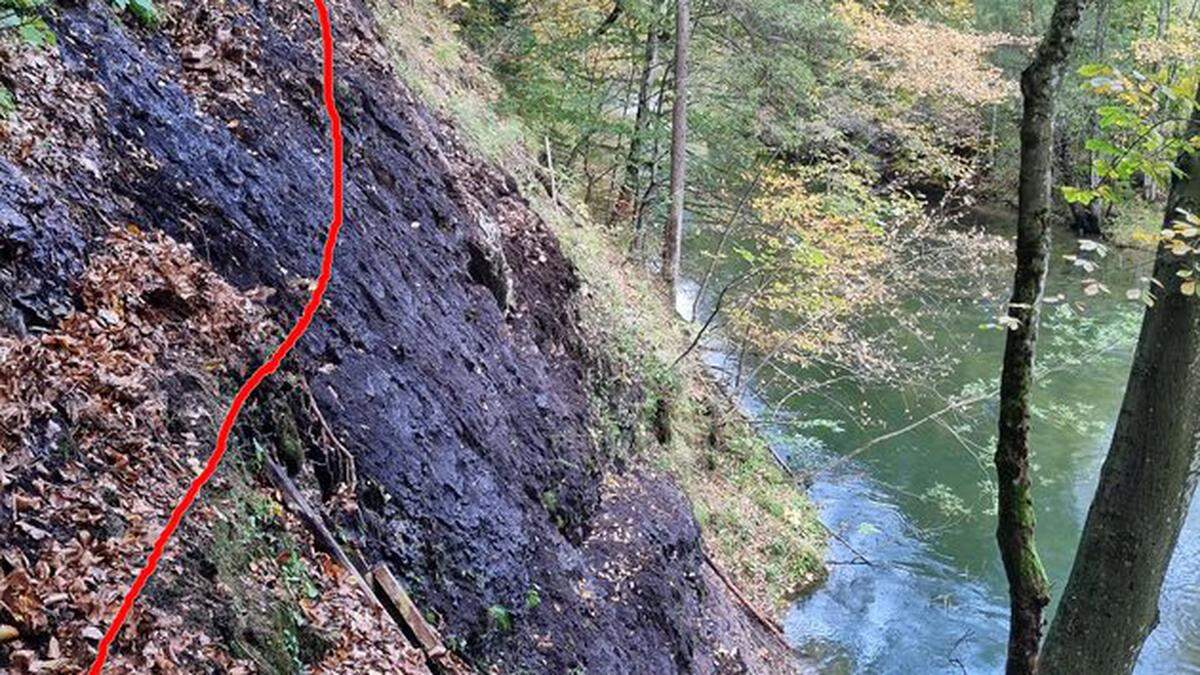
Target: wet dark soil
column 447, row 357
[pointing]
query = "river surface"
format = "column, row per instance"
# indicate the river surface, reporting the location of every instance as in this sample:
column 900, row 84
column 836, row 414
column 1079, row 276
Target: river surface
column 916, row 584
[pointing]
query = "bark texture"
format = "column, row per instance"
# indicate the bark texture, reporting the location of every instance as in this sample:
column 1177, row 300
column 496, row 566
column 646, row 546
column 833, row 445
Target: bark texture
column 1110, row 604
column 1028, row 590
column 672, row 237
column 629, row 200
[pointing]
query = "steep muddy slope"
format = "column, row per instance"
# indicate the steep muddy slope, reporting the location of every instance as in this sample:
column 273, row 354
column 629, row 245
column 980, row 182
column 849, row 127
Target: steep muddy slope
column 446, row 359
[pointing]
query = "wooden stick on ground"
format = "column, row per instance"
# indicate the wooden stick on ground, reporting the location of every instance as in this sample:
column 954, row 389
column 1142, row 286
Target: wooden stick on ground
column 405, row 612
column 772, row 627
column 313, row 521
column 387, row 594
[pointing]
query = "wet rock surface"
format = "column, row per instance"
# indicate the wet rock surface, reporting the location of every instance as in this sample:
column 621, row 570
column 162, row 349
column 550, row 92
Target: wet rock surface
column 446, row 358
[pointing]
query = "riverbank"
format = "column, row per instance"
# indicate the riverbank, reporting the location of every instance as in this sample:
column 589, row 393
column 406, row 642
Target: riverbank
column 754, row 522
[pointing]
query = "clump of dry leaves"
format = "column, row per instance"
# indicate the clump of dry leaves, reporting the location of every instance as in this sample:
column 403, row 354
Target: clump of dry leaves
column 103, row 423
column 219, row 50
column 39, row 130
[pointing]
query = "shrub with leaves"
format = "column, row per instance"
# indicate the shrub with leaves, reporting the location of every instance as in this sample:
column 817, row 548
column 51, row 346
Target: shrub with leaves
column 25, row 17
column 813, row 259
column 1138, row 125
column 142, row 10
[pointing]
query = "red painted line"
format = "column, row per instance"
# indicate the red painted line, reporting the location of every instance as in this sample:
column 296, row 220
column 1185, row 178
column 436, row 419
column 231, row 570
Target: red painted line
column 306, row 318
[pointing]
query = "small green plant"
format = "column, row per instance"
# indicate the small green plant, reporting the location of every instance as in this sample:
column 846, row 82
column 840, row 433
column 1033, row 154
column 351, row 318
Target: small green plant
column 24, row 17
column 67, row 446
column 295, row 573
column 533, row 598
column 142, row 10
column 289, row 637
column 8, row 104
column 456, row 644
column 500, row 617
column 549, row 500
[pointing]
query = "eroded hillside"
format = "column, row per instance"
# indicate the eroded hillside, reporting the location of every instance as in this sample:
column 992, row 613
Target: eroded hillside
column 165, row 194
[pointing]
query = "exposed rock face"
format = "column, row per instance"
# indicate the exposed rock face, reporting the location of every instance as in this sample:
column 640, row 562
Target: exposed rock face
column 40, row 251
column 446, row 358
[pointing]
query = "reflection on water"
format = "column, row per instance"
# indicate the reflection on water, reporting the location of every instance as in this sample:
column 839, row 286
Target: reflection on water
column 931, row 595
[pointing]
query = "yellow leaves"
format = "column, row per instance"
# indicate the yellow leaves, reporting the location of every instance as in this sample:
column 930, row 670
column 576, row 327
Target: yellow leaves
column 1180, row 240
column 930, row 59
column 1188, row 285
column 821, row 261
column 1177, row 46
column 1008, row 322
column 555, row 20
column 1179, row 247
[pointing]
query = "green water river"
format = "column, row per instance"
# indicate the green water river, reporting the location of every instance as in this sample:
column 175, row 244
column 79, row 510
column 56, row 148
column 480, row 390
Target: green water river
column 931, row 595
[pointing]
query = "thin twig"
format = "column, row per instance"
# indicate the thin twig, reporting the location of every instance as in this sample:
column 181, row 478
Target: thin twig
column 956, row 405
column 712, row 264
column 711, row 316
column 313, row 520
column 771, row 626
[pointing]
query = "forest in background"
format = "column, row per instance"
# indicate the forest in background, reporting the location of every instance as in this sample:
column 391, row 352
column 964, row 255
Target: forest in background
column 829, row 145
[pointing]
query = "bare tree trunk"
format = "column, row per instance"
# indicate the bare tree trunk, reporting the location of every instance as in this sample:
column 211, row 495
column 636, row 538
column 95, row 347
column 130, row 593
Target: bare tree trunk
column 1110, row 603
column 1028, row 590
column 650, row 169
column 673, row 234
column 630, row 196
column 1096, row 208
column 1029, row 16
column 1164, row 19
column 1149, row 185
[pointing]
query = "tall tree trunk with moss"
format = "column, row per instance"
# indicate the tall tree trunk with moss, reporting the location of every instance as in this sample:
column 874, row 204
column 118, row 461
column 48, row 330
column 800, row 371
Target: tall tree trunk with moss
column 1028, row 590
column 1110, row 603
column 628, row 201
column 673, row 233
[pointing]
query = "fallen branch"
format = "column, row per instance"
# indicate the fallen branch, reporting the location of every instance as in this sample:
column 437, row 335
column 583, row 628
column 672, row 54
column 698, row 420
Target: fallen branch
column 858, row 559
column 772, row 627
column 313, row 521
column 402, row 609
column 386, row 594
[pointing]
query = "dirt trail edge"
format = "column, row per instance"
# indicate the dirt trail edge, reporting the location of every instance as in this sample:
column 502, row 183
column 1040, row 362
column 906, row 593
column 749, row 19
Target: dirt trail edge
column 266, row 369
